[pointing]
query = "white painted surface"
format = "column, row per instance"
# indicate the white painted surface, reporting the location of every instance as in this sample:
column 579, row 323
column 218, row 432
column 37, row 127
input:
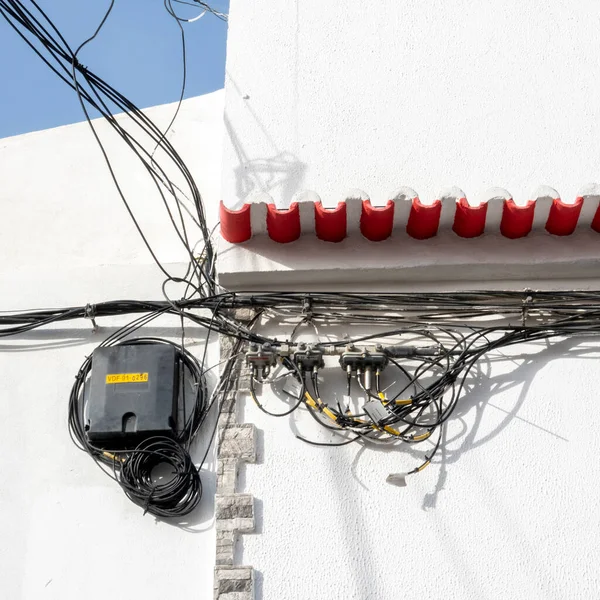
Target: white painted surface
column 508, row 510
column 535, row 261
column 67, row 530
column 336, row 95
column 328, row 96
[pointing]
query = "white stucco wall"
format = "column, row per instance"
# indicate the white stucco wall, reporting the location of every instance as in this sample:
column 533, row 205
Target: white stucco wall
column 333, row 96
column 67, row 530
column 508, row 509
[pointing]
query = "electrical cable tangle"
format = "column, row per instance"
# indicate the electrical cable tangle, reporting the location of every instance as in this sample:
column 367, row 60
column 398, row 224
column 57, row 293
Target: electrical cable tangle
column 149, row 166
column 457, row 329
column 133, row 468
column 53, row 49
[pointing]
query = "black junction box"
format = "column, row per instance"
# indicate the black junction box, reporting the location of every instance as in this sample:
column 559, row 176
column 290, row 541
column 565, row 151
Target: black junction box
column 133, row 394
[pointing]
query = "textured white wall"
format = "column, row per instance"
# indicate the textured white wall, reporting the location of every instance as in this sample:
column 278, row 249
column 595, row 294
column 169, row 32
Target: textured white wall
column 509, row 509
column 330, row 96
column 67, row 530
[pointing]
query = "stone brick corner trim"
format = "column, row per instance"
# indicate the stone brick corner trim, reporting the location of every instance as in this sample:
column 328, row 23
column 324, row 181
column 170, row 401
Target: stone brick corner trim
column 234, row 583
column 234, row 512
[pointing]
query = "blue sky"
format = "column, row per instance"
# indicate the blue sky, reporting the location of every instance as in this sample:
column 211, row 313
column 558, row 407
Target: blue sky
column 138, row 52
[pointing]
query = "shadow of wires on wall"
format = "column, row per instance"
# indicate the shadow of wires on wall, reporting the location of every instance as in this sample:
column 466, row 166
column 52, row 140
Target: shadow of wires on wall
column 463, row 432
column 481, row 387
column 477, row 398
column 281, row 175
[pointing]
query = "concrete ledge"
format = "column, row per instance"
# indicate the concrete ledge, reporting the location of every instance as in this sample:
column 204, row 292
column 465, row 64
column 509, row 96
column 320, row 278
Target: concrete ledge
column 261, row 263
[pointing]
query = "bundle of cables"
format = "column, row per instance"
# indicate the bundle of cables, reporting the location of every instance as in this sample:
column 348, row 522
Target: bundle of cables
column 35, row 27
column 425, row 382
column 463, row 326
column 408, row 418
column 133, row 468
column 458, row 328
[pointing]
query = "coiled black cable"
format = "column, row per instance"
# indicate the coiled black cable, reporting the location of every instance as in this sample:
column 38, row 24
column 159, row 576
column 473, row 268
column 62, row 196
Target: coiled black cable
column 176, row 496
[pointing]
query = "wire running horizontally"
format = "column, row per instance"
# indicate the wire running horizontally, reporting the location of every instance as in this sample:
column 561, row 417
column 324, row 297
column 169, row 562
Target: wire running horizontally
column 460, row 328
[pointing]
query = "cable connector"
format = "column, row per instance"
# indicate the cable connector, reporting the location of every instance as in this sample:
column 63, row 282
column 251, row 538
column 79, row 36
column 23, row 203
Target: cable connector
column 408, row 351
column 397, row 479
column 113, row 457
column 356, row 359
column 308, row 358
column 377, row 411
column 261, row 358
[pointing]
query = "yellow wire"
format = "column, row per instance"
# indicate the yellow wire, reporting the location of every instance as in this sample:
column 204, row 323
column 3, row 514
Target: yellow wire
column 319, row 403
column 326, row 411
column 398, row 402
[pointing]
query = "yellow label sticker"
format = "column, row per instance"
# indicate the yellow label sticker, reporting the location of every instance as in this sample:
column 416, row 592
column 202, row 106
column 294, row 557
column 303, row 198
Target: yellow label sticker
column 126, row 378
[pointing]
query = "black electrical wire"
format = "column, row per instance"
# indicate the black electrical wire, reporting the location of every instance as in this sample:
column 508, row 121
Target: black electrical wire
column 34, row 26
column 463, row 326
column 458, row 330
column 458, row 346
column 294, row 372
column 178, row 495
column 183, row 236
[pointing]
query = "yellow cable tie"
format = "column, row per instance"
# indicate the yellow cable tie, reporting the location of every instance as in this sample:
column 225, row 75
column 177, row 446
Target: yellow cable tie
column 424, row 465
column 421, row 437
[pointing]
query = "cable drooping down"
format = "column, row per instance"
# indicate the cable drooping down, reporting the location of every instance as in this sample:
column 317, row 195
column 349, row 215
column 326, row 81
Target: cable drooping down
column 433, row 347
column 37, row 30
column 431, row 343
column 144, row 140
